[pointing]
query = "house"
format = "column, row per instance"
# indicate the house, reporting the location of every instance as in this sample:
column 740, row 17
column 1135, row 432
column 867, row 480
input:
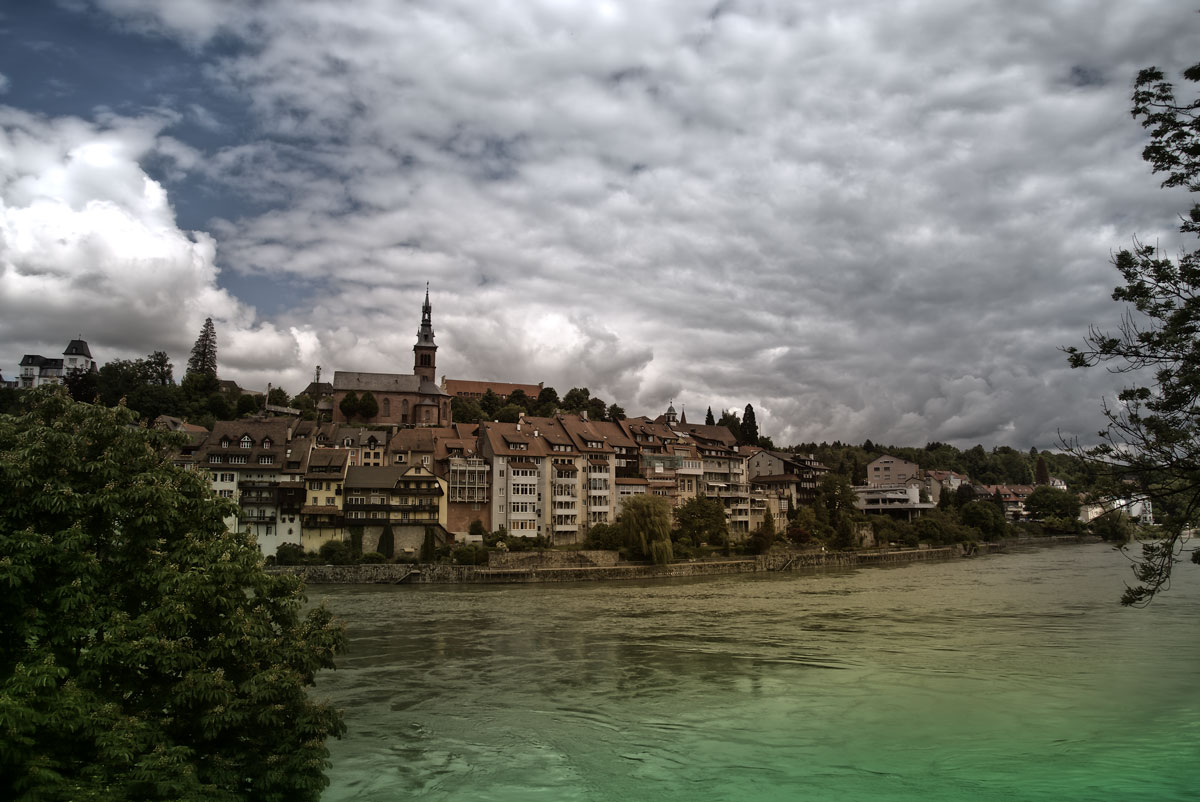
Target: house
column 889, row 471
column 794, row 476
column 36, row 370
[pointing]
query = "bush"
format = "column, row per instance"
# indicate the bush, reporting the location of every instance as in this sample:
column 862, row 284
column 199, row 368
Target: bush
column 335, row 552
column 372, row 557
column 470, row 554
column 289, row 554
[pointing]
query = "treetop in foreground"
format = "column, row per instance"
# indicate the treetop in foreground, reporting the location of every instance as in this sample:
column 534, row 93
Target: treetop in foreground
column 144, row 652
column 1152, row 440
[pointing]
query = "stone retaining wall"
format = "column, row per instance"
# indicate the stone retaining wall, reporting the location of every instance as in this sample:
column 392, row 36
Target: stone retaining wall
column 536, row 567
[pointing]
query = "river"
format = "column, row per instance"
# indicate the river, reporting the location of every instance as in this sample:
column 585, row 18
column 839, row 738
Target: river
column 1006, row 677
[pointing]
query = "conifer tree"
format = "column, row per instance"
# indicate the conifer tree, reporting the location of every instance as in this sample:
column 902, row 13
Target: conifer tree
column 749, row 427
column 368, row 407
column 709, row 420
column 204, row 353
column 349, row 405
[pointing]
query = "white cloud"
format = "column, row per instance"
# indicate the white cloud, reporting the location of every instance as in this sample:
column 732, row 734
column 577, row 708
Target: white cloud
column 868, row 220
column 89, row 246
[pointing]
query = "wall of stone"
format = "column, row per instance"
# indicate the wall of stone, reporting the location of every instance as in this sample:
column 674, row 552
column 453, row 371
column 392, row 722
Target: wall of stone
column 537, row 567
column 552, row 559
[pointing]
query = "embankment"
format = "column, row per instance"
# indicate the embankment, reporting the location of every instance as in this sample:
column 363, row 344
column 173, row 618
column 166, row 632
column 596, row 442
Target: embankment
column 595, row 566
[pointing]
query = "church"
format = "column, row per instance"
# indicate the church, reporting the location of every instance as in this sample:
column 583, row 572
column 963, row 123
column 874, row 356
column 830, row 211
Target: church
column 403, row 399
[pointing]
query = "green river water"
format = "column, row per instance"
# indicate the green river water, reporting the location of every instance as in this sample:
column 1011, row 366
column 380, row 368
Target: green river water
column 1006, row 677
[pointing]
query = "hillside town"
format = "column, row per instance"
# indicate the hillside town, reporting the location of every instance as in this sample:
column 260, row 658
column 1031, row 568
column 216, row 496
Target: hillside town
column 384, row 459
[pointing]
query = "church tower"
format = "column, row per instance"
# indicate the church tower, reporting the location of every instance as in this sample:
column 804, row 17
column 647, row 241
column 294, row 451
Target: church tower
column 425, row 351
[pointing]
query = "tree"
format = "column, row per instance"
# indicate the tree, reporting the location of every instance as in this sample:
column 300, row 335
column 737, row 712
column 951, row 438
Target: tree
column 144, row 652
column 159, row 369
column 429, row 546
column 1152, row 439
column 985, row 517
column 614, row 413
column 349, row 405
column 387, row 542
column 730, row 421
column 466, row 410
column 764, row 537
column 709, row 420
column 646, row 521
column 576, row 399
column 490, row 402
column 596, row 408
column 701, row 520
column 520, row 398
column 246, row 405
column 749, row 430
column 278, row 397
column 1041, row 474
column 368, row 407
column 83, row 384
column 204, row 352
column 1051, row 502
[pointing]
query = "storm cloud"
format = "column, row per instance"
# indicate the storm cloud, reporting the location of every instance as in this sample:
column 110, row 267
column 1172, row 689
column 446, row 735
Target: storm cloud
column 866, row 219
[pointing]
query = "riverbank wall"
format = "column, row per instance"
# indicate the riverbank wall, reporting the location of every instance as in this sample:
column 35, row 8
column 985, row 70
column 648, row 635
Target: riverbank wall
column 596, row 566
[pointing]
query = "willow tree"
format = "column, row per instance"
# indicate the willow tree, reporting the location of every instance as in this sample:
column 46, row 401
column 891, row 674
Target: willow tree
column 144, row 652
column 646, row 521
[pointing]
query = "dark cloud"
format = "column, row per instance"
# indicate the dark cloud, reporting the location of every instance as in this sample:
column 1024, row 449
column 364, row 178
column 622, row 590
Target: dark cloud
column 866, row 220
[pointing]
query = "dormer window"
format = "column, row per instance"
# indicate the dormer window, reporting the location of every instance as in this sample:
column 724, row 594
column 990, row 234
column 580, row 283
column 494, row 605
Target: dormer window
column 245, row 442
column 226, row 442
column 266, row 442
column 349, row 441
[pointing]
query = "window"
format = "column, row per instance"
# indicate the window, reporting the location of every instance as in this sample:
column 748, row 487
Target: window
column 215, row 458
column 226, row 494
column 245, row 442
column 266, row 442
column 226, row 442
column 330, row 501
column 237, row 459
column 266, row 459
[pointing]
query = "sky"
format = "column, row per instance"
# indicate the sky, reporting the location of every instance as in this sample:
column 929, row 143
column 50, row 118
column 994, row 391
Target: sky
column 867, row 219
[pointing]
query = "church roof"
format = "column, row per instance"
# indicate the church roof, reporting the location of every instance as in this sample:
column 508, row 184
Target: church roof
column 344, row 380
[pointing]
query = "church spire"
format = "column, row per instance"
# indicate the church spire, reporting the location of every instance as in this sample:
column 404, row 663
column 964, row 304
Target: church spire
column 425, row 333
column 425, row 351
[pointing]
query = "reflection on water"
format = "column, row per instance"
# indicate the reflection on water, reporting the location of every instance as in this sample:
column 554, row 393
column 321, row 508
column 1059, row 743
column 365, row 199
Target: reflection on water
column 1005, row 677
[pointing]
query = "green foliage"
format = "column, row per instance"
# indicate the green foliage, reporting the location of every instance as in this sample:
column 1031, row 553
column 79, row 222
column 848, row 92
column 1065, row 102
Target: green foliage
column 387, row 542
column 83, row 384
column 1051, row 502
column 763, row 538
column 348, row 406
column 372, row 558
column 336, row 552
column 289, row 554
column 984, row 518
column 429, row 546
column 1041, row 472
column 701, row 520
column 509, row 413
column 490, row 403
column 466, row 410
column 605, row 536
column 476, row 530
column 203, row 360
column 576, row 399
column 470, row 554
column 246, row 405
column 144, row 652
column 748, row 433
column 1152, row 440
column 709, row 420
column 278, row 397
column 356, row 537
column 614, row 413
column 646, row 523
column 368, row 407
column 1114, row 526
